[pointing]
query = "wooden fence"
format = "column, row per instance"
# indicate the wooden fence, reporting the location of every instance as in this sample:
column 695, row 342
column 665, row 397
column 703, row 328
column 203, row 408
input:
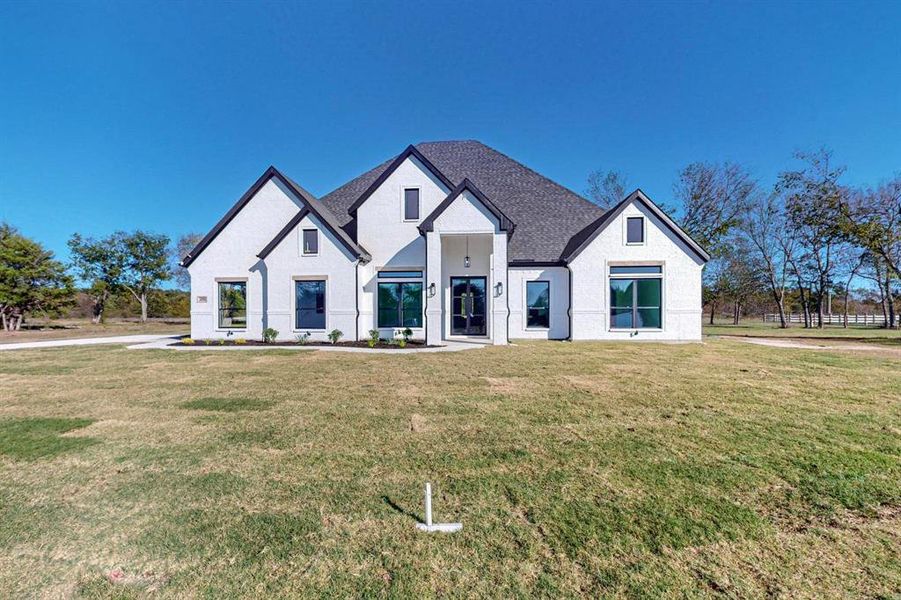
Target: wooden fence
column 833, row 319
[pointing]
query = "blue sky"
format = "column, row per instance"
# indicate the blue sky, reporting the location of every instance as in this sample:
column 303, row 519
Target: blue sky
column 124, row 115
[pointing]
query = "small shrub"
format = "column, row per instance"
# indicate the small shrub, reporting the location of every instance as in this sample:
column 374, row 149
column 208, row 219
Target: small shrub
column 373, row 338
column 335, row 335
column 269, row 335
column 188, row 341
column 208, row 342
column 222, row 342
column 303, row 338
column 402, row 342
column 240, row 341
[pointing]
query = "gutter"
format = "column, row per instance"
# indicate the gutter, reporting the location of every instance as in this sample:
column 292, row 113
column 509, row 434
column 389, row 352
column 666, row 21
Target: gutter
column 357, row 298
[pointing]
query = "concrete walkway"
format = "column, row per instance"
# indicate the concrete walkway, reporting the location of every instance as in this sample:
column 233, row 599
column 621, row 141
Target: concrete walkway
column 117, row 339
column 166, row 344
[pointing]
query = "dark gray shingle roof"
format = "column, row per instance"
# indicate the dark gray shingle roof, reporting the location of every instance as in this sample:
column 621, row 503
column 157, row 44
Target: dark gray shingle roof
column 545, row 213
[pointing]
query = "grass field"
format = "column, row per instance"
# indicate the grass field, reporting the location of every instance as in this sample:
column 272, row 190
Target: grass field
column 61, row 329
column 581, row 470
column 754, row 328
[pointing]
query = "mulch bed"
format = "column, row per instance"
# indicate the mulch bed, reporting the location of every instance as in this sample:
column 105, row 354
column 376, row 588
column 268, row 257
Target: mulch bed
column 361, row 344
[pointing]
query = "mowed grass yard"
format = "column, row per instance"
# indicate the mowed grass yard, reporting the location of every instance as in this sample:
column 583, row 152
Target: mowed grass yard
column 867, row 334
column 584, row 469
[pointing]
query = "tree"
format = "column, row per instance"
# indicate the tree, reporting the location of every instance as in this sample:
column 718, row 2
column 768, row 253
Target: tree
column 606, row 189
column 814, row 201
column 31, row 280
column 873, row 218
column 146, row 263
column 101, row 263
column 714, row 199
column 741, row 278
column 772, row 242
column 183, row 246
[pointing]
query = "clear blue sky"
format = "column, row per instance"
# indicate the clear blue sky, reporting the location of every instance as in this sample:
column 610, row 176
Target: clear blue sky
column 125, row 115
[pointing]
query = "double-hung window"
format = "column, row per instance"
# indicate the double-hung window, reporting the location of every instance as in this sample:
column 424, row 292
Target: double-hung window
column 309, row 304
column 400, row 302
column 538, row 304
column 232, row 304
column 636, row 297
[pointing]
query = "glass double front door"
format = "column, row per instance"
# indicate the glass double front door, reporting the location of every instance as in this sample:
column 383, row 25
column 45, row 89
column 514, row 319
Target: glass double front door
column 468, row 304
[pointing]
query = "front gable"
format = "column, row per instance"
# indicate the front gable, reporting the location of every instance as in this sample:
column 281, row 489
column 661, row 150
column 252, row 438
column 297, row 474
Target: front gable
column 466, row 208
column 660, row 231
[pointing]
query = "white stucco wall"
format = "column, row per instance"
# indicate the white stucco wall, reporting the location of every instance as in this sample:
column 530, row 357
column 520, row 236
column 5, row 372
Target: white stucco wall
column 393, row 242
column 334, row 264
column 558, row 277
column 681, row 281
column 232, row 255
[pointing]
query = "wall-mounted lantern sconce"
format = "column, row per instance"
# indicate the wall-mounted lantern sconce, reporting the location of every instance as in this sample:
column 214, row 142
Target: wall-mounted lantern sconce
column 466, row 258
column 431, row 290
column 498, row 289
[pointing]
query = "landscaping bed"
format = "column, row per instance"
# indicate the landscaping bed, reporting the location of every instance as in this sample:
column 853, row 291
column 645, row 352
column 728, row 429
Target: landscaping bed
column 380, row 345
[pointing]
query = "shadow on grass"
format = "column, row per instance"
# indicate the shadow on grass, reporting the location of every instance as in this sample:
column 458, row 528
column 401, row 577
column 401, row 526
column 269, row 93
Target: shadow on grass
column 399, row 509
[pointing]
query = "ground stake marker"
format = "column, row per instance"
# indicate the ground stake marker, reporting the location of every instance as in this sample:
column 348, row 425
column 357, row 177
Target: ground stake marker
column 428, row 526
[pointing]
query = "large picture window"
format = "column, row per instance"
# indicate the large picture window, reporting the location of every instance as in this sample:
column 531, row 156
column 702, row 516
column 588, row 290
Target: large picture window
column 309, row 304
column 636, row 297
column 538, row 304
column 400, row 304
column 232, row 304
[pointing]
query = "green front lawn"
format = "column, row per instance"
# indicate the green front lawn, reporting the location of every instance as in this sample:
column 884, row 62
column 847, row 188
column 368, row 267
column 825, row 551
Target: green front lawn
column 577, row 469
column 860, row 333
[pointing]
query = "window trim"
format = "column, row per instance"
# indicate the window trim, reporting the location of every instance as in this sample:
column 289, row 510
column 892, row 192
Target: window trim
column 526, row 303
column 303, row 250
column 632, row 277
column 644, row 232
column 218, row 280
column 403, row 203
column 294, row 280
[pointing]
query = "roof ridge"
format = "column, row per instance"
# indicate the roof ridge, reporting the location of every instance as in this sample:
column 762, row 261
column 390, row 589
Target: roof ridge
column 533, row 171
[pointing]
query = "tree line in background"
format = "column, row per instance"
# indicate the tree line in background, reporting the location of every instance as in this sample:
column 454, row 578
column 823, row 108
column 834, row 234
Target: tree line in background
column 791, row 248
column 120, row 274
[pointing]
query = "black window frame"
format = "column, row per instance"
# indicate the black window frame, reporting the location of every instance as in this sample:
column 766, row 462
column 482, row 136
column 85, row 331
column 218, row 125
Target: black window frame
column 418, row 203
column 411, row 274
column 297, row 309
column 303, row 241
column 401, row 320
column 530, row 309
column 220, row 311
column 628, row 231
column 634, row 274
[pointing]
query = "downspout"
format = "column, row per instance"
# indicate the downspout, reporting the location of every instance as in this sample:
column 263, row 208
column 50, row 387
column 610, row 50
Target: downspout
column 569, row 308
column 357, row 298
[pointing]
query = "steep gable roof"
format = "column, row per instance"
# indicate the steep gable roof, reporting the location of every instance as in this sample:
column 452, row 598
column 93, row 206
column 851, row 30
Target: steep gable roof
column 546, row 214
column 312, row 204
column 504, row 222
column 583, row 238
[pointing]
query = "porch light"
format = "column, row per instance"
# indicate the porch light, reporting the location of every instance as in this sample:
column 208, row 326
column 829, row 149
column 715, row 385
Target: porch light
column 498, row 289
column 431, row 290
column 466, row 258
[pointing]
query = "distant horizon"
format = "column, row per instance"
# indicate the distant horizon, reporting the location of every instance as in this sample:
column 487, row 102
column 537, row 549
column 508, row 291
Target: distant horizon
column 158, row 117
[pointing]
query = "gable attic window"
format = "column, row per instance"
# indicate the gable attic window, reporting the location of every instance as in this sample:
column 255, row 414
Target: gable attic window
column 310, row 242
column 411, row 204
column 635, row 230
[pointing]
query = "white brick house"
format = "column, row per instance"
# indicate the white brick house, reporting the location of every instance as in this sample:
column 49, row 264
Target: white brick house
column 453, row 240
